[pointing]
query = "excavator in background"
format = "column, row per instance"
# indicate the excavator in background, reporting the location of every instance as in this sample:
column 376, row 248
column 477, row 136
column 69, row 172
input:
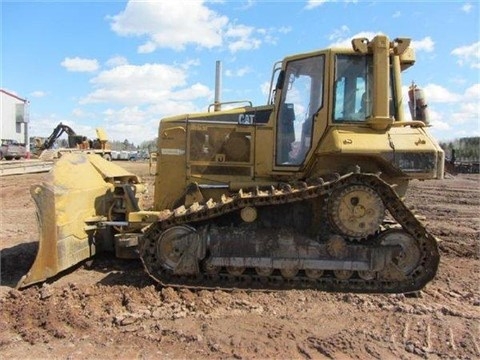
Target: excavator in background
column 44, row 148
column 303, row 192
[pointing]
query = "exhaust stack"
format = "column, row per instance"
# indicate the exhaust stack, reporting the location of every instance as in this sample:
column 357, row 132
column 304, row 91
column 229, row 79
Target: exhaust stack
column 218, row 85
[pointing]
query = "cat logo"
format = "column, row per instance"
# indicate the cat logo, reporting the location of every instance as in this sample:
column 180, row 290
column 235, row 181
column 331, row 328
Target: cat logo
column 246, row 119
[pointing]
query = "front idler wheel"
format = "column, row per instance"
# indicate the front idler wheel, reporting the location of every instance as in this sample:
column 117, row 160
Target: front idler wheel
column 176, row 250
column 408, row 258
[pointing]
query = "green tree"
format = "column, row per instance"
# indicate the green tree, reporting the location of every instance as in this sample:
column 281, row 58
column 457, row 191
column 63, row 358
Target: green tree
column 466, row 149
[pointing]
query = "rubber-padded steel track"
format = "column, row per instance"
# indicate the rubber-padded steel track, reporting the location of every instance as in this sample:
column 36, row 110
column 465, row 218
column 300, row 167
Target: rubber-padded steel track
column 414, row 281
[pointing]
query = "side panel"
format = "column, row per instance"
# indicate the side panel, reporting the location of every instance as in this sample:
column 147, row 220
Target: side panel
column 404, row 152
column 215, row 150
column 219, row 153
column 171, row 165
column 264, row 150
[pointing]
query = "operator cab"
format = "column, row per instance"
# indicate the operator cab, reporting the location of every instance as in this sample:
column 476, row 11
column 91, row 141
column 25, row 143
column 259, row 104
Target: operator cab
column 302, row 98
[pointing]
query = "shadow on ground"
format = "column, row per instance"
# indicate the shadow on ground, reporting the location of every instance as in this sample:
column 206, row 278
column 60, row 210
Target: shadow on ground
column 15, row 262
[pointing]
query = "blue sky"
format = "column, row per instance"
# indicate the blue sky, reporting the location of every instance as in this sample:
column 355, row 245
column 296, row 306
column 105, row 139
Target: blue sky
column 125, row 65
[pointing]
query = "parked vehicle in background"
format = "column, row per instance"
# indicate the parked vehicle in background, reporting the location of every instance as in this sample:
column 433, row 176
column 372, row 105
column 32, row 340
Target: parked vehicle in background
column 11, row 149
column 132, row 155
column 139, row 155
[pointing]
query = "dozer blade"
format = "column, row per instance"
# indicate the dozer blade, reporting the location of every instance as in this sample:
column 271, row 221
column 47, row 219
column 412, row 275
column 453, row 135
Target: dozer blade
column 77, row 192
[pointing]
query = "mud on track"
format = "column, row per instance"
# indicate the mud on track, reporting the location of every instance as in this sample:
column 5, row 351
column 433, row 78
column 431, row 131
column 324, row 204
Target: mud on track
column 107, row 308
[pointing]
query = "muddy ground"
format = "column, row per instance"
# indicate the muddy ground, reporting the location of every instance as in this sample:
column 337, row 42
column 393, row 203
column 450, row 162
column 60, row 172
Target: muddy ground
column 109, row 309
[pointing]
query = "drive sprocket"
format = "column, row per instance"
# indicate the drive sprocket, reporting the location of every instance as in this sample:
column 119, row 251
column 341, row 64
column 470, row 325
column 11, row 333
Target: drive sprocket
column 356, row 211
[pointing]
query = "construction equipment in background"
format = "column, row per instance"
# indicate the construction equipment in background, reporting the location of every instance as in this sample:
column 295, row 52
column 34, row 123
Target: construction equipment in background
column 303, row 192
column 45, row 149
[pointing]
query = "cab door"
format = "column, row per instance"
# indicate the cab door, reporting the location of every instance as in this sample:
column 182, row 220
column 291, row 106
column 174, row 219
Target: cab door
column 301, row 106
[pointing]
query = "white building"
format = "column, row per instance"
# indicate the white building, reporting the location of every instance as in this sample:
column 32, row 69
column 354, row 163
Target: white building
column 14, row 117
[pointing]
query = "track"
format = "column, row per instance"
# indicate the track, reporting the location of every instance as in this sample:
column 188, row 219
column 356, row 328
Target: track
column 196, row 227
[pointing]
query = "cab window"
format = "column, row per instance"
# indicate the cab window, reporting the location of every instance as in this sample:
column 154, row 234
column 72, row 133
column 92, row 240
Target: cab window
column 353, row 94
column 353, row 88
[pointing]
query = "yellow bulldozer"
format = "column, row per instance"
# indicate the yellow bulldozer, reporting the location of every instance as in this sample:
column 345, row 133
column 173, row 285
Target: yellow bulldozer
column 303, row 192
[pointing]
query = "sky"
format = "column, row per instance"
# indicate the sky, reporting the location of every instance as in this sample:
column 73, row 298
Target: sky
column 124, row 65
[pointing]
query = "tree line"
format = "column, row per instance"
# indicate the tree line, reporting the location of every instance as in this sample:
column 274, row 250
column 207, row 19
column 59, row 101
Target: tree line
column 463, row 149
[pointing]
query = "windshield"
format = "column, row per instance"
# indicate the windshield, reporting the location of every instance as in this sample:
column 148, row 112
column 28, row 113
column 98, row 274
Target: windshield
column 302, row 97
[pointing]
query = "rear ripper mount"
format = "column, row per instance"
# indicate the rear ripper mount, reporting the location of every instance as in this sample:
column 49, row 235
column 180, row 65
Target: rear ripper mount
column 259, row 240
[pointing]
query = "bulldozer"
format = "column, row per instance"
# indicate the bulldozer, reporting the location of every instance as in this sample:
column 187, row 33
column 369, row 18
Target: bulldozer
column 306, row 191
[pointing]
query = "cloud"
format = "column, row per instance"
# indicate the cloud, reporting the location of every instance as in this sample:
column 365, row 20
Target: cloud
column 38, row 94
column 458, row 80
column 139, row 84
column 147, row 76
column 264, row 88
column 129, row 122
column 473, row 92
column 340, row 33
column 131, row 99
column 469, row 101
column 81, row 113
column 284, row 29
column 241, row 38
column 140, row 123
column 342, row 40
column 467, row 113
column 467, row 8
column 437, row 93
column 141, row 76
column 468, row 55
column 426, row 44
column 190, row 63
column 170, row 24
column 270, row 35
column 396, row 14
column 312, row 4
column 469, row 106
column 192, row 92
column 436, row 120
column 148, row 47
column 116, row 61
column 448, row 109
column 247, row 5
column 138, row 96
column 77, row 64
column 238, row 72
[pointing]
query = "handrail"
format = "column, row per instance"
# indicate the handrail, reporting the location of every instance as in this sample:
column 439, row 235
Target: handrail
column 409, row 123
column 229, row 103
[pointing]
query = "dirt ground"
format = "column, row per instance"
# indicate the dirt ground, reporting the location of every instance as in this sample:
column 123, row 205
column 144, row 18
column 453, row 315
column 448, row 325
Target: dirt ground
column 109, row 309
